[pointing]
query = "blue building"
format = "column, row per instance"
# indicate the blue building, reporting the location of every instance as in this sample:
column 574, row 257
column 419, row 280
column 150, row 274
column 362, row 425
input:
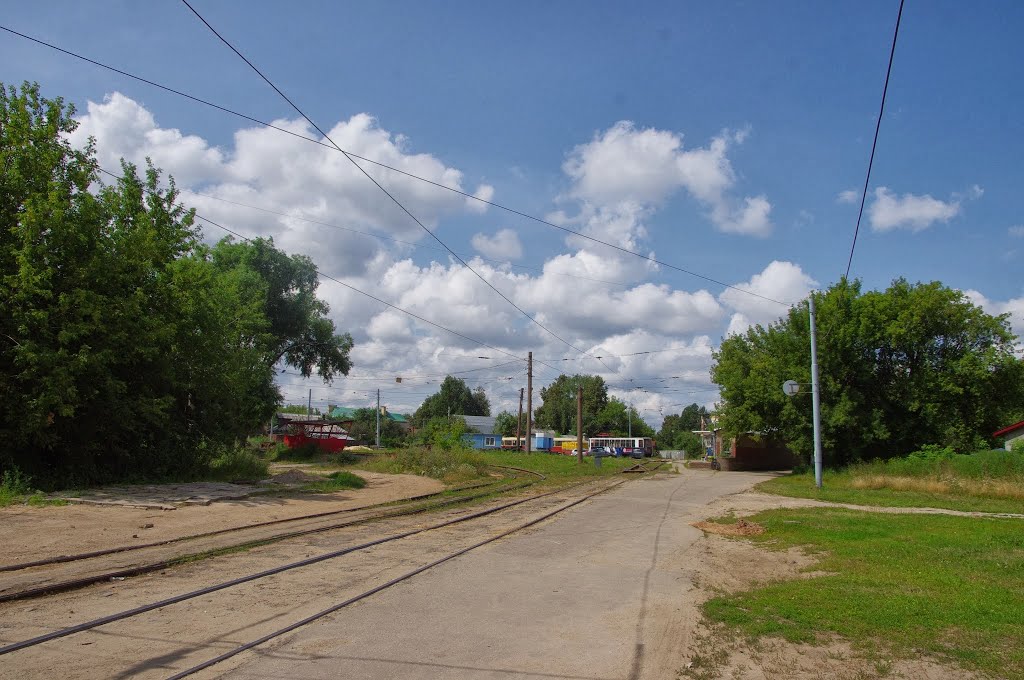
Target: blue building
column 482, row 441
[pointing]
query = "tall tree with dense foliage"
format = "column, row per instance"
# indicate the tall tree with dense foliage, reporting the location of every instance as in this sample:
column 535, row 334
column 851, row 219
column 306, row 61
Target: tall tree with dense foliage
column 124, row 350
column 689, row 419
column 453, row 398
column 505, row 424
column 298, row 332
column 558, row 404
column 619, row 419
column 912, row 365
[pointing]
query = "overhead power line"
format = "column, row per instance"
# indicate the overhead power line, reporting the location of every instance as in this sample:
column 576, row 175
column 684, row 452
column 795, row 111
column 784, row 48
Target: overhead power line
column 382, row 237
column 357, row 290
column 874, row 143
column 411, row 175
column 380, row 186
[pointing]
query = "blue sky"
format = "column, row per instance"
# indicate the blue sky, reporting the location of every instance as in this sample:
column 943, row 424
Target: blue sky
column 717, row 136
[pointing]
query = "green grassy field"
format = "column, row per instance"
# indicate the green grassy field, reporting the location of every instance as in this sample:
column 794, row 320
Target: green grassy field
column 987, row 481
column 558, row 467
column 898, row 585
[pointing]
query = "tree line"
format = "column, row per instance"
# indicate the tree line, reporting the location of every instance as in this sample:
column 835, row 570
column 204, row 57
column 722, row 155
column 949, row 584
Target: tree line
column 129, row 348
column 913, row 365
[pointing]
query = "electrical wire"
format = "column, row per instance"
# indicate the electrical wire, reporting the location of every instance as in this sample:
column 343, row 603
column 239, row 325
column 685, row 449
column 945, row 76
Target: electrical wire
column 460, row 192
column 382, row 237
column 380, row 186
column 353, row 288
column 874, row 143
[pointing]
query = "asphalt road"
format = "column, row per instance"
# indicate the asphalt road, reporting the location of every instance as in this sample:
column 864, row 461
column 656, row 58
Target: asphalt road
column 603, row 590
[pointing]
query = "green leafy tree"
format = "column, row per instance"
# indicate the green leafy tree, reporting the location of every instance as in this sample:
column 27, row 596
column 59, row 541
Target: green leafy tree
column 126, row 351
column 616, row 418
column 915, row 364
column 298, row 330
column 453, row 398
column 364, row 428
column 686, row 422
column 558, row 404
column 505, row 424
column 302, row 409
column 443, row 433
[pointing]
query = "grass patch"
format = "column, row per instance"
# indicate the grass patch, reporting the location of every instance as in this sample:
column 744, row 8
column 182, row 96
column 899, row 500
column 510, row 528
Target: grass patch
column 559, row 467
column 987, row 481
column 948, row 587
column 336, row 481
column 451, row 466
column 16, row 489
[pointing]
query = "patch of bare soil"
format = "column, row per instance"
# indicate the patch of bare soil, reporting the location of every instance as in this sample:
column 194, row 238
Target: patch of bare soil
column 31, row 533
column 740, row 528
column 728, row 565
column 294, row 476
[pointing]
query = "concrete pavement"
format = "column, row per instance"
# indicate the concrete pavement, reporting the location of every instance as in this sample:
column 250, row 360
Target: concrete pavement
column 603, row 590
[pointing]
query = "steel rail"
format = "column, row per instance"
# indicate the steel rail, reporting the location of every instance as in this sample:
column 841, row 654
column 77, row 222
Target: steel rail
column 87, row 625
column 73, row 584
column 330, row 610
column 60, row 559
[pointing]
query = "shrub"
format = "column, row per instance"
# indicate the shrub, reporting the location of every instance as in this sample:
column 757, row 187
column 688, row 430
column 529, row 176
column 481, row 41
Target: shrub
column 239, row 463
column 335, row 482
column 13, row 485
column 453, row 464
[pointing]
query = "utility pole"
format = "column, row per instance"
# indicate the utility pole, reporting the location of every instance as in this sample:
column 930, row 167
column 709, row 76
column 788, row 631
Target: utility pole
column 309, row 404
column 378, row 418
column 629, row 419
column 579, row 424
column 519, row 421
column 529, row 400
column 815, row 395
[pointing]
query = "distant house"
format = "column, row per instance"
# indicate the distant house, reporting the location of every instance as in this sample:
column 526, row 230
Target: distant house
column 483, row 424
column 1012, row 433
column 485, row 442
column 749, row 451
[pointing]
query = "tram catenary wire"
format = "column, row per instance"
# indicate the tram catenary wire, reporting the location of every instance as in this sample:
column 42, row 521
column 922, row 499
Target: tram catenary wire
column 465, row 194
column 387, row 193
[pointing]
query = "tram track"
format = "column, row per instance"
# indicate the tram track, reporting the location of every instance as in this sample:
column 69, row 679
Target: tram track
column 564, row 504
column 44, row 577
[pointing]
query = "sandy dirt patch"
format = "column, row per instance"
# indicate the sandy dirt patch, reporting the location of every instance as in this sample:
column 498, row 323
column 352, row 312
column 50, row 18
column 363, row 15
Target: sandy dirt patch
column 30, row 533
column 723, row 564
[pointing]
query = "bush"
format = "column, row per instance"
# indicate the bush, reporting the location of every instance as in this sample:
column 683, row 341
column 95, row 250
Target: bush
column 14, row 485
column 335, row 482
column 239, row 463
column 939, row 462
column 455, row 464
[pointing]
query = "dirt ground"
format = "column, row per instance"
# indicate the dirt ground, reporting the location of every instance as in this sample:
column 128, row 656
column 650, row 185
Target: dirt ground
column 29, row 533
column 723, row 564
column 468, row 619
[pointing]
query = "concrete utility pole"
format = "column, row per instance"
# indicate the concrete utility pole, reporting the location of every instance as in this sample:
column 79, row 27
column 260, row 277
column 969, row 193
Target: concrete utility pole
column 529, row 400
column 378, row 418
column 309, row 404
column 815, row 395
column 629, row 418
column 519, row 420
column 579, row 424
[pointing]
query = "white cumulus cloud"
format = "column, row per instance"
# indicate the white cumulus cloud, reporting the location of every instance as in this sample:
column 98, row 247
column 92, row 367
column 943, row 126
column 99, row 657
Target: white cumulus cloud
column 848, row 196
column 504, row 245
column 624, row 165
column 914, row 212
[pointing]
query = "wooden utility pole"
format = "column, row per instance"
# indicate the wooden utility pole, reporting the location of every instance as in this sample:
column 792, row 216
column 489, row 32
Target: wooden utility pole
column 519, row 421
column 529, row 399
column 579, row 424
